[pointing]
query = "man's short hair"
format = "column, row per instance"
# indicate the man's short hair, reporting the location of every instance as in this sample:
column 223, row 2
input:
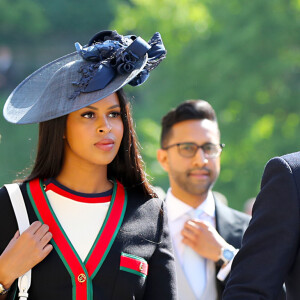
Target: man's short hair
column 187, row 110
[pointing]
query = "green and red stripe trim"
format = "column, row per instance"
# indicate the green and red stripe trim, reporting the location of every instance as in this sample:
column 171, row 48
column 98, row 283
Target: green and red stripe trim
column 58, row 190
column 81, row 273
column 134, row 264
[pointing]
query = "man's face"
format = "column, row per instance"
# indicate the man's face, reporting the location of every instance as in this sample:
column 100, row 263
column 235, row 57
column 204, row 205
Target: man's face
column 194, row 175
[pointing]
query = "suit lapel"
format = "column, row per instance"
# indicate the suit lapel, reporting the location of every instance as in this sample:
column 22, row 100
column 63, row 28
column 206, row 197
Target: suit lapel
column 225, row 221
column 231, row 227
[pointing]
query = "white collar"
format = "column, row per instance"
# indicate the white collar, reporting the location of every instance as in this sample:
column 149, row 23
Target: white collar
column 178, row 208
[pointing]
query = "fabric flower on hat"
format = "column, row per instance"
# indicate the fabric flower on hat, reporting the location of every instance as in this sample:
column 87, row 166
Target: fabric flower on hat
column 114, row 51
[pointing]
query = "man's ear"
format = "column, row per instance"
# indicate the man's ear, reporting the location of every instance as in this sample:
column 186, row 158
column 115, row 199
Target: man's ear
column 162, row 158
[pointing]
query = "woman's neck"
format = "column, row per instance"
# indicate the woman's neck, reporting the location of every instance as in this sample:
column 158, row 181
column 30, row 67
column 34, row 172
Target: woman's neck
column 85, row 179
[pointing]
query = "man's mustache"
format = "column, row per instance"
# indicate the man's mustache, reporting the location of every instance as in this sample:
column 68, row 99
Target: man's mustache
column 203, row 169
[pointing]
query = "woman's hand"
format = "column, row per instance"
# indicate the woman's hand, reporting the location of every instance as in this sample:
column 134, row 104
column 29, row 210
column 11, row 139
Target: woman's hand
column 24, row 252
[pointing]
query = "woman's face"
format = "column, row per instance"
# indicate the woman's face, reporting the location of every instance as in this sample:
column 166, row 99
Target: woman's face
column 93, row 134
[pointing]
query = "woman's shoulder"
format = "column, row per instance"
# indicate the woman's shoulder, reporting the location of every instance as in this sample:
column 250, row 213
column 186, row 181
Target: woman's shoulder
column 144, row 216
column 139, row 201
column 8, row 219
column 4, row 194
column 138, row 195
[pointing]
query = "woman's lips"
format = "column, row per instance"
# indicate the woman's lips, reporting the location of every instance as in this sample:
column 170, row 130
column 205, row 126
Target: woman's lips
column 105, row 145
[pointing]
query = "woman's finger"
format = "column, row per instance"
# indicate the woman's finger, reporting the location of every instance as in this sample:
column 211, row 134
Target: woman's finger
column 46, row 251
column 40, row 233
column 46, row 239
column 33, row 227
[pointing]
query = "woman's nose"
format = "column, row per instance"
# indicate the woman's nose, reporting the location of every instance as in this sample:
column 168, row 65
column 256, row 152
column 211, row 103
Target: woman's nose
column 104, row 126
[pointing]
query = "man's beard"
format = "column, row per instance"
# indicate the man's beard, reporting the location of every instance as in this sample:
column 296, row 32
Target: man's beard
column 199, row 188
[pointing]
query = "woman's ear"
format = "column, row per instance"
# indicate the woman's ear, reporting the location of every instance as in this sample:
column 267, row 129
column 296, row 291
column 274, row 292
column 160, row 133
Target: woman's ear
column 162, row 158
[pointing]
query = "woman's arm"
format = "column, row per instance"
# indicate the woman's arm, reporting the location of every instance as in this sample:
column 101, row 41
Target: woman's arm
column 161, row 282
column 23, row 252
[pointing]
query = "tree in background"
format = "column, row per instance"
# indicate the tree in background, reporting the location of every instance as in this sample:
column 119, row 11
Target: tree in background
column 244, row 58
column 21, row 20
column 36, row 32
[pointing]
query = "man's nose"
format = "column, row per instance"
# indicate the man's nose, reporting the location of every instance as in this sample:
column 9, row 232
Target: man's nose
column 199, row 159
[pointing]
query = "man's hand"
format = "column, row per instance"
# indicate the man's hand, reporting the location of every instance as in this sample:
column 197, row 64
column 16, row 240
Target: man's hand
column 203, row 239
column 24, row 251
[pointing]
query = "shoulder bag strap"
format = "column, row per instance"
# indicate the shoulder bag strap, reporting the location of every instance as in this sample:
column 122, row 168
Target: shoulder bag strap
column 19, row 207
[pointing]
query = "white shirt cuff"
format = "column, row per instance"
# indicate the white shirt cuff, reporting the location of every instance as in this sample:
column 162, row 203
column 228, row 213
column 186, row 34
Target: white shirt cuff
column 223, row 273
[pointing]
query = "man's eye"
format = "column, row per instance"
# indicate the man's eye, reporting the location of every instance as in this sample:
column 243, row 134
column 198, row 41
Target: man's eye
column 209, row 147
column 188, row 147
column 88, row 115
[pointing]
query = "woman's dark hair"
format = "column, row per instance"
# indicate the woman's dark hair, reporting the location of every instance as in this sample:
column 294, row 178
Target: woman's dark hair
column 187, row 110
column 127, row 166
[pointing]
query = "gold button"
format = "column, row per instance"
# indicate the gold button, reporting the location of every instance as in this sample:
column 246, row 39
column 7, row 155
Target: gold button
column 141, row 267
column 81, row 278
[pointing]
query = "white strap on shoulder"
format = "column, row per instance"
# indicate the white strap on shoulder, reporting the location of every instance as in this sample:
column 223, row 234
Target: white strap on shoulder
column 19, row 207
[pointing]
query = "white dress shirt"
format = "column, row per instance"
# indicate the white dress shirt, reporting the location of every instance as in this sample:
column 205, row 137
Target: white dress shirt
column 179, row 212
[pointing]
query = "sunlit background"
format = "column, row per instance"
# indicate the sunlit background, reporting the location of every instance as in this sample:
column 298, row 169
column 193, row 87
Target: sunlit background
column 242, row 56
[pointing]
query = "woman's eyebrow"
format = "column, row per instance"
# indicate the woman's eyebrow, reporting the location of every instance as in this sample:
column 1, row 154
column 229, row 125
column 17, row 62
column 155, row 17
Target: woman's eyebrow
column 114, row 106
column 92, row 107
column 95, row 108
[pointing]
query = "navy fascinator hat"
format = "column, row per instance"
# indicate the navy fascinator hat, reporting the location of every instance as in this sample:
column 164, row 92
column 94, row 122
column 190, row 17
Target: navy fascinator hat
column 107, row 63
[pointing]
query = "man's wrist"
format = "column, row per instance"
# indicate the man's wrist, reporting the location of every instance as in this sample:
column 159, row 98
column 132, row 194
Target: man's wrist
column 227, row 253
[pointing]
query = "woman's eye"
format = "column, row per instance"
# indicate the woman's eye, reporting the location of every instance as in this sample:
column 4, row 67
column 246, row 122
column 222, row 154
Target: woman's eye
column 114, row 114
column 88, row 115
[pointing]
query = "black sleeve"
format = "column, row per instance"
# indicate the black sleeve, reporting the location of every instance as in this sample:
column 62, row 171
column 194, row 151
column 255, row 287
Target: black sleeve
column 271, row 241
column 161, row 282
column 8, row 224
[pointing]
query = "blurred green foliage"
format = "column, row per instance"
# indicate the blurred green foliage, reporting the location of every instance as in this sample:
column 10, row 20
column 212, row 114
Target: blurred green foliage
column 241, row 56
column 21, row 20
column 17, row 150
column 36, row 21
column 36, row 32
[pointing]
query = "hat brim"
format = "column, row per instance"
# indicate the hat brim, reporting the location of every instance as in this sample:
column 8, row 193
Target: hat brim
column 33, row 102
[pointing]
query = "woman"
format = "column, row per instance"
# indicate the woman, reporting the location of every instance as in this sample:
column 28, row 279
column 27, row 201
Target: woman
column 96, row 231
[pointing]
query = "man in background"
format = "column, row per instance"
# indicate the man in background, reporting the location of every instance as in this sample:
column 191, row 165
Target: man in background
column 205, row 233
